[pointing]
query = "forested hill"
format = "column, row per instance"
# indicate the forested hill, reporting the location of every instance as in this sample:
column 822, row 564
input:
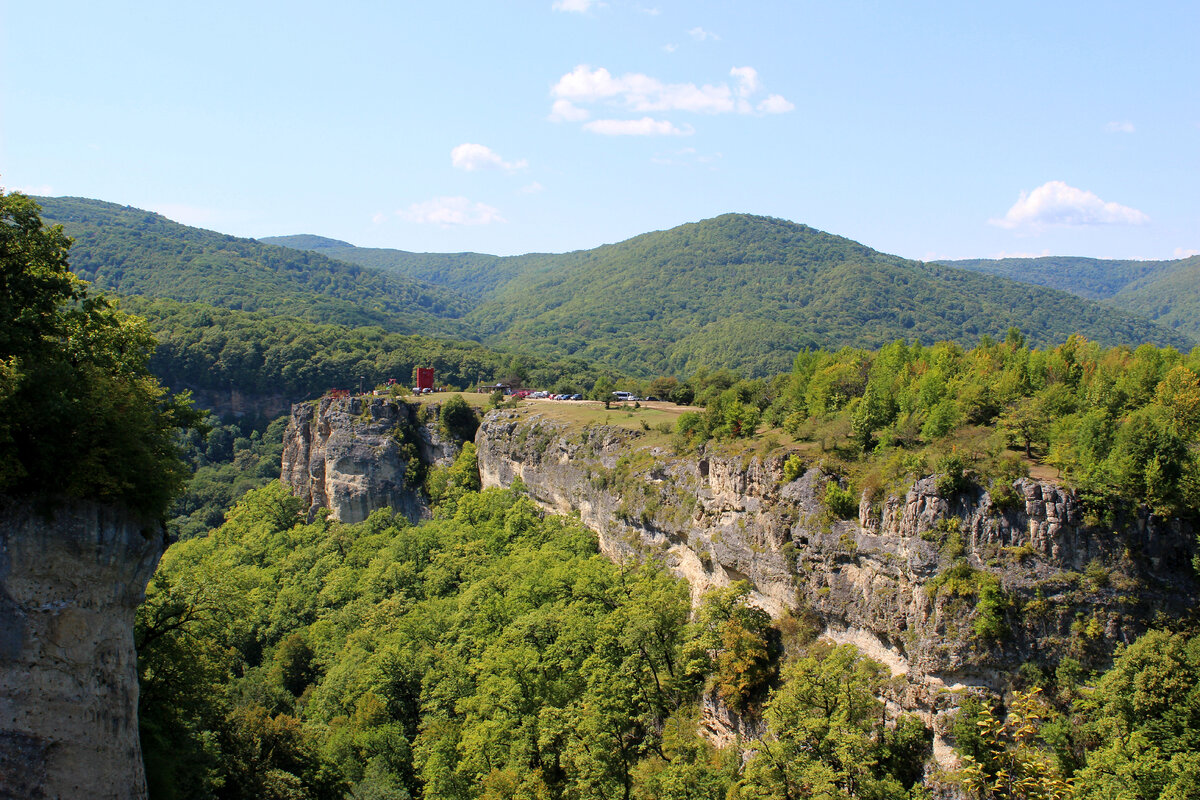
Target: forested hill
column 737, row 291
column 134, row 252
column 1165, row 291
column 749, row 292
column 475, row 275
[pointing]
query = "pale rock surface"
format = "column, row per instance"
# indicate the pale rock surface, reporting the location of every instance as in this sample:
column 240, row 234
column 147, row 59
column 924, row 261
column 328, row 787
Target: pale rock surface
column 70, row 585
column 347, row 455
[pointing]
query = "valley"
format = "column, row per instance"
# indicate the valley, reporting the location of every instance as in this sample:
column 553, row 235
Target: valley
column 884, row 514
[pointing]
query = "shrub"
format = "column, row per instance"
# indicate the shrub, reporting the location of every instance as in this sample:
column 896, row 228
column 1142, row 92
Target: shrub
column 841, row 502
column 951, row 475
column 458, row 419
column 792, row 468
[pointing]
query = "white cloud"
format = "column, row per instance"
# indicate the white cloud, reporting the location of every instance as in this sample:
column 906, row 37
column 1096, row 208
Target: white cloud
column 646, row 126
column 642, row 93
column 1184, row 253
column 653, row 12
column 747, row 78
column 470, row 157
column 450, row 211
column 1120, row 127
column 670, row 48
column 1055, row 204
column 775, row 104
column 701, row 35
column 566, row 111
column 378, row 217
column 533, row 188
column 576, row 6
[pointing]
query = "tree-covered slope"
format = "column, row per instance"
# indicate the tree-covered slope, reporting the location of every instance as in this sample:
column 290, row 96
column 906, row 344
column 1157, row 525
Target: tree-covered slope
column 135, row 252
column 1167, row 292
column 1169, row 296
column 749, row 292
column 475, row 275
column 208, row 348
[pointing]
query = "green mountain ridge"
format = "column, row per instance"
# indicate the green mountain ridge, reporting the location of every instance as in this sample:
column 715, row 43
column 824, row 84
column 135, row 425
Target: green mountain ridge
column 134, row 252
column 739, row 291
column 1167, row 292
column 756, row 290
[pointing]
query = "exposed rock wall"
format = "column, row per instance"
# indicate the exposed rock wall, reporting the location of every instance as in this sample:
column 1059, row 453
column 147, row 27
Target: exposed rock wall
column 70, row 585
column 1071, row 588
column 355, row 455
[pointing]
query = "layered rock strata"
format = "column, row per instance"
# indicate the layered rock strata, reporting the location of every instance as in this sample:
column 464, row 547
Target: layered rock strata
column 355, row 455
column 881, row 581
column 70, row 584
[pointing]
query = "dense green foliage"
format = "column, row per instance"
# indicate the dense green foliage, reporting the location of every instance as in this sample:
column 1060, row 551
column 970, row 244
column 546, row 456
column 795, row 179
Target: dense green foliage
column 749, row 292
column 80, row 413
column 133, row 252
column 1167, row 292
column 474, row 275
column 229, row 461
column 489, row 653
column 1121, row 425
column 738, row 290
column 1133, row 733
column 213, row 348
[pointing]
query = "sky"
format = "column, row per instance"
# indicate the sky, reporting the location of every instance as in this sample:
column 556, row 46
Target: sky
column 930, row 130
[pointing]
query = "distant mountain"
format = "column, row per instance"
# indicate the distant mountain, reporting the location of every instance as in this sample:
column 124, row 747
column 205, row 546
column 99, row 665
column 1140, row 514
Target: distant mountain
column 1167, row 292
column 740, row 291
column 749, row 292
column 475, row 275
column 306, row 241
column 134, row 252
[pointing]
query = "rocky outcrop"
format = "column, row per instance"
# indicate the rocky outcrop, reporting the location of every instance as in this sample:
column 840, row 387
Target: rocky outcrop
column 355, row 455
column 70, row 583
column 881, row 581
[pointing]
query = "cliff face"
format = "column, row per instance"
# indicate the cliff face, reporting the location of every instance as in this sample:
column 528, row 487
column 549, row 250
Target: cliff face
column 905, row 581
column 951, row 591
column 355, row 455
column 69, row 588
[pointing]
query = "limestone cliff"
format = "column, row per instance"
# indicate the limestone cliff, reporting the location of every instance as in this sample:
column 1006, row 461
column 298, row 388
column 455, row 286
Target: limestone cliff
column 905, row 581
column 880, row 581
column 355, row 455
column 70, row 584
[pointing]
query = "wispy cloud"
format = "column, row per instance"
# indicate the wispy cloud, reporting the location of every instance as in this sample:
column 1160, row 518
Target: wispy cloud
column 532, row 188
column 639, row 93
column 1181, row 252
column 470, row 157
column 1055, row 204
column 1120, row 127
column 646, row 126
column 449, row 212
column 566, row 111
column 701, row 35
column 576, row 6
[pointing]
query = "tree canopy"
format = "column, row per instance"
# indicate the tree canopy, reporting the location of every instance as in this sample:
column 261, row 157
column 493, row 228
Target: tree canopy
column 80, row 413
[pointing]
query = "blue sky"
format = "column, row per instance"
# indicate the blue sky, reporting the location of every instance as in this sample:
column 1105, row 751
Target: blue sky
column 930, row 130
